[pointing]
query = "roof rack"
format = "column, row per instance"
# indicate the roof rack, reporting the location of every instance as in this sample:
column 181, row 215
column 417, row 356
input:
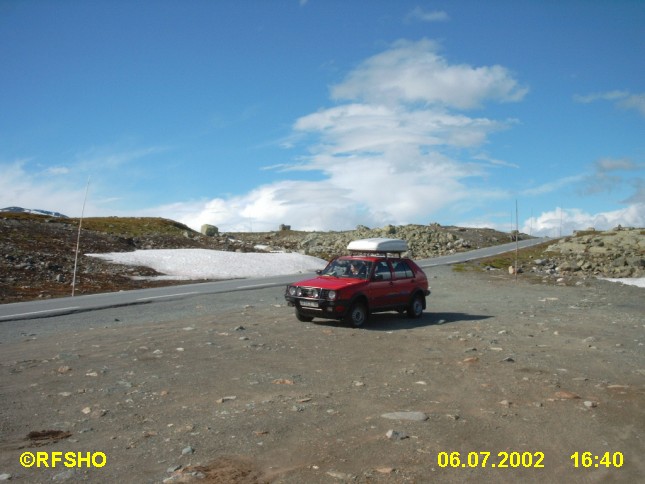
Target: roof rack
column 378, row 245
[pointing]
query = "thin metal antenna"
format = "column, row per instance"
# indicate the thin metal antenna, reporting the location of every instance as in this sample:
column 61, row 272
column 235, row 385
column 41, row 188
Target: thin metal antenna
column 78, row 237
column 517, row 239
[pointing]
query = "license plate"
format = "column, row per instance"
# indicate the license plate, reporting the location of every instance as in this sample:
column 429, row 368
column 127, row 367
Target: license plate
column 309, row 304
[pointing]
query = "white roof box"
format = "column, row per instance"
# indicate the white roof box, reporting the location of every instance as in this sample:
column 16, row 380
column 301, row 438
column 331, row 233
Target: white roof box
column 378, row 244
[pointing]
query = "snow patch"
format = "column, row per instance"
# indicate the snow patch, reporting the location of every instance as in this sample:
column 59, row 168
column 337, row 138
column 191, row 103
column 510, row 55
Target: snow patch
column 196, row 264
column 630, row 281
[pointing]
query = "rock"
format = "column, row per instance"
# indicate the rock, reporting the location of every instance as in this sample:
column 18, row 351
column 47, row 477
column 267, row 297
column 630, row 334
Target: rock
column 98, row 413
column 396, row 435
column 340, row 475
column 187, row 450
column 565, row 395
column 283, row 381
column 384, row 470
column 414, row 416
column 209, row 230
column 64, row 476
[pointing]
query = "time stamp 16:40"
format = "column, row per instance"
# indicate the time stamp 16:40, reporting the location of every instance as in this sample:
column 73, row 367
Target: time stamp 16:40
column 525, row 459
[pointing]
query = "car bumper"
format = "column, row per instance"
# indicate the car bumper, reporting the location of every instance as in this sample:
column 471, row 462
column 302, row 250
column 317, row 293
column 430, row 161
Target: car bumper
column 318, row 308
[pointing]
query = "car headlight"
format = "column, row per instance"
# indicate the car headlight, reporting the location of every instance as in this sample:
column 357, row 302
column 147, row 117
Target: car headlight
column 315, row 293
column 331, row 295
column 299, row 291
column 292, row 290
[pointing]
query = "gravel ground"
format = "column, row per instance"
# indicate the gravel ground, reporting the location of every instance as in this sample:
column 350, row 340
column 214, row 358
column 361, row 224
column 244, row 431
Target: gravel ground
column 251, row 395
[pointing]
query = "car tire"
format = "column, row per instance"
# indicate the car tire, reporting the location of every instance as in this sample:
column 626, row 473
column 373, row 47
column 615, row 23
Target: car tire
column 303, row 318
column 415, row 309
column 357, row 315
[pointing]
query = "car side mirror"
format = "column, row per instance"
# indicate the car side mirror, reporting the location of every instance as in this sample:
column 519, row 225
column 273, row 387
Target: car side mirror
column 319, row 271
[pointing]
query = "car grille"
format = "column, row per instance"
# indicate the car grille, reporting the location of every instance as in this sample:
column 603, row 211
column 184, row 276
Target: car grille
column 309, row 292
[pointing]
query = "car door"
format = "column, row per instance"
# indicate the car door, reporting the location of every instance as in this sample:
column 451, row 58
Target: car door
column 402, row 282
column 381, row 289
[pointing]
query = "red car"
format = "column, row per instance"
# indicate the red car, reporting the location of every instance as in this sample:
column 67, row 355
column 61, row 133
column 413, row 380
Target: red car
column 375, row 278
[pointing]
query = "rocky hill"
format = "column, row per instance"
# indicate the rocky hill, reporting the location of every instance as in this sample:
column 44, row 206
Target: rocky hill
column 37, row 253
column 615, row 253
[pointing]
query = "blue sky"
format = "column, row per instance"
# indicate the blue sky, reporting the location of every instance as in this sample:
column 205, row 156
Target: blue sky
column 327, row 114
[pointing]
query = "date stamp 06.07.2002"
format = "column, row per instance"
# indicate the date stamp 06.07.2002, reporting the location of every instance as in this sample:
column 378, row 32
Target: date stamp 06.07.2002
column 510, row 460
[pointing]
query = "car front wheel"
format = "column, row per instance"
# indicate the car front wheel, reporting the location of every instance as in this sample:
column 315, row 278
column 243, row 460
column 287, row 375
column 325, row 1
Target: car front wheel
column 303, row 318
column 357, row 315
column 415, row 309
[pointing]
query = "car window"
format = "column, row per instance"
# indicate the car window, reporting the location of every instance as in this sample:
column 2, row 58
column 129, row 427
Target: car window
column 336, row 268
column 359, row 269
column 402, row 270
column 383, row 269
column 356, row 269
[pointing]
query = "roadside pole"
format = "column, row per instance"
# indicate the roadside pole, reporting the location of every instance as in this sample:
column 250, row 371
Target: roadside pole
column 78, row 237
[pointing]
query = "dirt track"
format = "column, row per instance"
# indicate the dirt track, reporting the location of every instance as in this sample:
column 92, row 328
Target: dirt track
column 252, row 395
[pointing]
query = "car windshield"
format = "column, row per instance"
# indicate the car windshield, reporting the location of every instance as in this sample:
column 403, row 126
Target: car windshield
column 357, row 269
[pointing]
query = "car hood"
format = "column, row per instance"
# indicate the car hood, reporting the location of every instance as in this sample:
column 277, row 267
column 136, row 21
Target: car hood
column 326, row 282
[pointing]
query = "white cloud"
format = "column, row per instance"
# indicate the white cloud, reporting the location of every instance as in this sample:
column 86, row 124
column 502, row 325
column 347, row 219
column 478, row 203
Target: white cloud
column 552, row 186
column 607, row 177
column 634, row 101
column 565, row 221
column 20, row 187
column 397, row 133
column 493, row 161
column 111, row 158
column 61, row 188
column 639, row 192
column 57, row 170
column 616, row 164
column 601, row 96
column 414, row 72
column 427, row 16
column 396, row 137
column 622, row 99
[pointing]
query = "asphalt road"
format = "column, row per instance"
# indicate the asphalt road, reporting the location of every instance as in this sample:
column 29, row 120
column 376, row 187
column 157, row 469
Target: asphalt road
column 147, row 298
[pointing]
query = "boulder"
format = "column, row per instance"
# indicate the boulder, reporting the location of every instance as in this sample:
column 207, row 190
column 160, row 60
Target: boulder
column 209, row 230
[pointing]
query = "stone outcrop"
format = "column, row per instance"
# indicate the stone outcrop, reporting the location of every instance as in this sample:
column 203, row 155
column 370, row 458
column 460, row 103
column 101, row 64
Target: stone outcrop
column 423, row 240
column 209, row 230
column 615, row 253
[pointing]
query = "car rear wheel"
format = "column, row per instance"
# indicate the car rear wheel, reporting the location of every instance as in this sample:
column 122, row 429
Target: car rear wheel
column 303, row 318
column 415, row 309
column 357, row 315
